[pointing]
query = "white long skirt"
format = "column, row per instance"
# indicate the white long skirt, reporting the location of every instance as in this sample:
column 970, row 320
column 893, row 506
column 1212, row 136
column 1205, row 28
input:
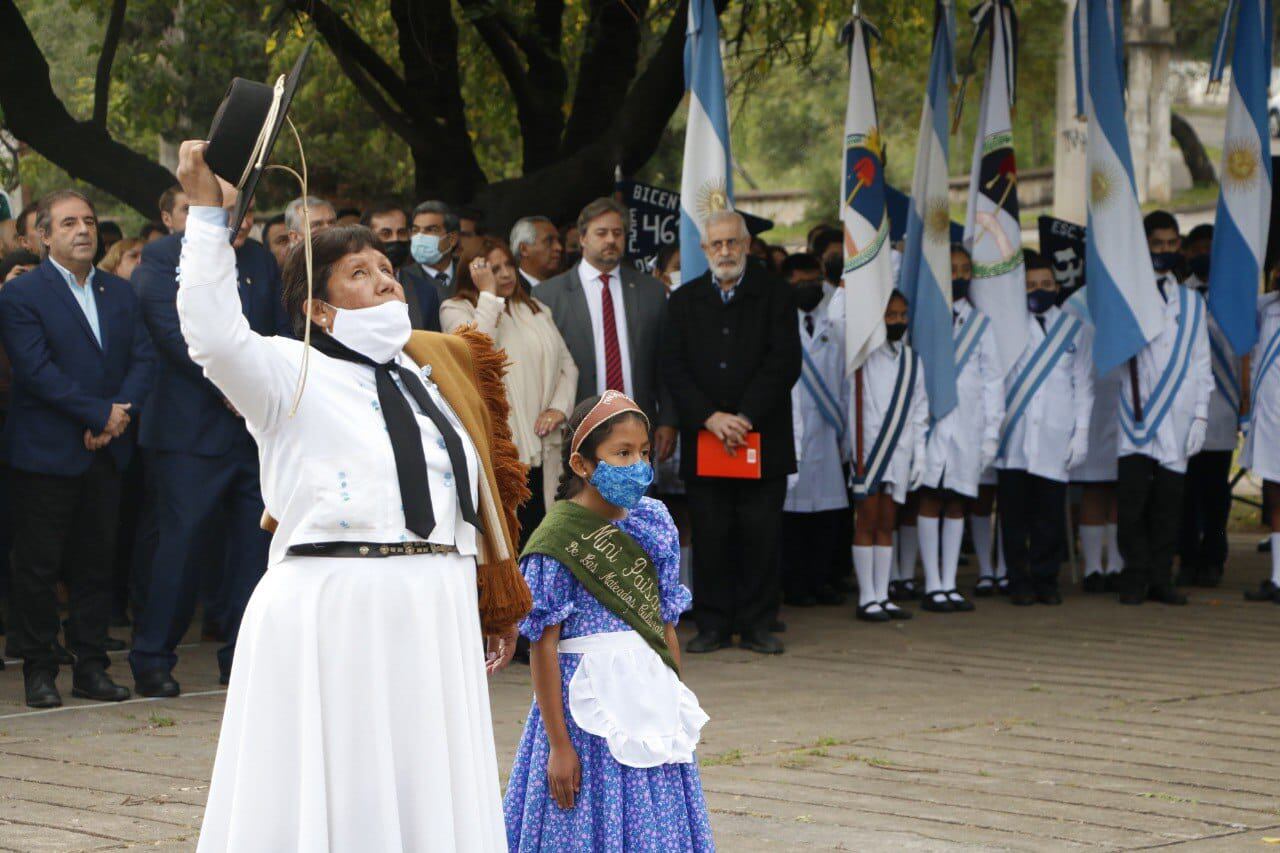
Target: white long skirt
column 357, row 717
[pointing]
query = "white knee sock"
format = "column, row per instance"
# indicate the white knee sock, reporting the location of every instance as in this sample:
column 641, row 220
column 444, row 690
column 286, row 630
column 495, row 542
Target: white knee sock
column 1091, row 541
column 884, row 566
column 864, row 568
column 1115, row 563
column 928, row 538
column 908, row 549
column 1275, row 558
column 1002, row 568
column 952, row 534
column 980, row 530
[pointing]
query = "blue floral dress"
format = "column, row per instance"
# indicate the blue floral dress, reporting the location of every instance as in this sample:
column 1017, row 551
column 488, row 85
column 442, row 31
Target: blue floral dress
column 618, row 807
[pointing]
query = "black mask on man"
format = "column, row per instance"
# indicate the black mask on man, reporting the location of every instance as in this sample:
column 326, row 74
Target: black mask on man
column 397, row 251
column 895, row 331
column 833, row 268
column 1200, row 267
column 808, row 295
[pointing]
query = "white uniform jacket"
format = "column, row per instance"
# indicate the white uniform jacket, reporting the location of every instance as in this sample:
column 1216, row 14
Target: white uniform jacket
column 1040, row 439
column 1169, row 444
column 1262, row 446
column 822, row 450
column 1224, row 417
column 879, row 373
column 955, row 448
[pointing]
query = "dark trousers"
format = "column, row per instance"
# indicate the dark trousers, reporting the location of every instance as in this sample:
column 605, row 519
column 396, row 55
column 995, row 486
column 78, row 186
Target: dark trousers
column 532, row 511
column 1150, row 501
column 736, row 524
column 809, row 541
column 205, row 506
column 1206, row 504
column 63, row 528
column 1031, row 529
column 132, row 491
column 841, row 566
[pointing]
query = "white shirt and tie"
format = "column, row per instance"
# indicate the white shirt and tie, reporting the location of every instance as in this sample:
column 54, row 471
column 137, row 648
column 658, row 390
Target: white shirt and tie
column 593, row 289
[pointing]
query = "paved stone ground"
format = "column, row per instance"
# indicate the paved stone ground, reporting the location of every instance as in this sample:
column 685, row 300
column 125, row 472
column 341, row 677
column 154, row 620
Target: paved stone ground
column 1083, row 726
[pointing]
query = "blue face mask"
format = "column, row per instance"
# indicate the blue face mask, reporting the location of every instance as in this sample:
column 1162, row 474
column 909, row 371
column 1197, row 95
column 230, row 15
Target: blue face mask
column 425, row 248
column 623, row 485
column 1040, row 301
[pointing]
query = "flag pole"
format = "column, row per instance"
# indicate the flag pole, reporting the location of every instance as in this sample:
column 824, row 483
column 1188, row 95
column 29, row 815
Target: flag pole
column 1133, row 388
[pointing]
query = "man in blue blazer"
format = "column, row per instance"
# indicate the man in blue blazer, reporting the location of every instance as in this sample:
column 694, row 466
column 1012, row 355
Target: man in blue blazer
column 202, row 465
column 82, row 367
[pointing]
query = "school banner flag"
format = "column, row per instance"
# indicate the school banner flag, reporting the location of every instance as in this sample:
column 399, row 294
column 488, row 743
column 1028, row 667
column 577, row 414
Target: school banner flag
column 1244, row 197
column 1123, row 300
column 992, row 230
column 1062, row 244
column 864, row 217
column 926, row 261
column 706, row 183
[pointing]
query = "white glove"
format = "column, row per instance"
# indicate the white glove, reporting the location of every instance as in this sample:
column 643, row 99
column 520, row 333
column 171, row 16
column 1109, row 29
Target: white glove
column 917, row 472
column 793, row 480
column 1079, row 448
column 989, row 449
column 1195, row 436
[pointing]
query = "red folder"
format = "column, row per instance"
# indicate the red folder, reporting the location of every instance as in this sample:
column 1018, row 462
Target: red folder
column 715, row 461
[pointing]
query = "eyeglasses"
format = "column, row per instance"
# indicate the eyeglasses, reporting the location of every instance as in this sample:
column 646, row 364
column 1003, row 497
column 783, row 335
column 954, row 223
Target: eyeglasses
column 728, row 243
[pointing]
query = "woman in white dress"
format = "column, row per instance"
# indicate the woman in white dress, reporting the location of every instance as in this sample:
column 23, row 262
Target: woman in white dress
column 358, row 713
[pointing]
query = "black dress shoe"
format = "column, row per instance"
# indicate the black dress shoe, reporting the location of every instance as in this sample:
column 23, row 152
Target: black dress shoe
column 156, row 684
column 707, row 641
column 912, row 590
column 1113, row 581
column 896, row 591
column 42, row 692
column 1049, row 597
column 894, row 611
column 1094, row 582
column 1002, row 586
column 1267, row 591
column 937, row 602
column 761, row 642
column 111, row 644
column 985, row 587
column 800, row 601
column 959, row 602
column 1166, row 595
column 97, row 685
column 873, row 612
column 1022, row 599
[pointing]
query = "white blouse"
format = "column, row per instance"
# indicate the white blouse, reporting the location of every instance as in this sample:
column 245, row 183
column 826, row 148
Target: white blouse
column 328, row 472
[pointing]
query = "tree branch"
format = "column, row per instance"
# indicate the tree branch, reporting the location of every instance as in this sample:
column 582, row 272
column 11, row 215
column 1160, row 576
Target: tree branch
column 342, row 39
column 608, row 64
column 102, row 82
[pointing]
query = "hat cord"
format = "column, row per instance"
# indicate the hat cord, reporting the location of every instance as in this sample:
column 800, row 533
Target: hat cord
column 306, row 254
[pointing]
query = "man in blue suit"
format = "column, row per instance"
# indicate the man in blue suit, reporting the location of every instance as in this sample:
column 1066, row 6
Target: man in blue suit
column 202, row 465
column 82, row 367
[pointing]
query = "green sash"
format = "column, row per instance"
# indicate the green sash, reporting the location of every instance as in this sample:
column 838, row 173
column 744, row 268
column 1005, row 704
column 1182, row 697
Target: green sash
column 610, row 564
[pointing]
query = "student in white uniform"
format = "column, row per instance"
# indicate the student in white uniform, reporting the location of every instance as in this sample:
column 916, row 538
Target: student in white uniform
column 1163, row 422
column 1048, row 398
column 895, row 418
column 1262, row 446
column 961, row 445
column 1206, row 503
column 817, row 499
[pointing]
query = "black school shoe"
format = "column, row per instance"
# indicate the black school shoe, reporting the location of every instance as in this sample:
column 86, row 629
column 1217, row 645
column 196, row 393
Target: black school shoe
column 156, row 684
column 707, row 641
column 761, row 642
column 97, row 685
column 959, row 602
column 42, row 692
column 1094, row 582
column 894, row 611
column 937, row 602
column 1267, row 591
column 985, row 587
column 866, row 612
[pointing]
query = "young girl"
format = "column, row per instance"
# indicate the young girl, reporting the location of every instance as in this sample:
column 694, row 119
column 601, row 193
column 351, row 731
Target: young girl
column 606, row 762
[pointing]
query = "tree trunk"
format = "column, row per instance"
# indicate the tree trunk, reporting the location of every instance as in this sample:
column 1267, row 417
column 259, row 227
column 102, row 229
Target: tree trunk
column 1193, row 153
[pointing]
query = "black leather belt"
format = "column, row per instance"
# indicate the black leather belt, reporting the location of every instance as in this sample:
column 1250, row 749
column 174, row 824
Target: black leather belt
column 369, row 549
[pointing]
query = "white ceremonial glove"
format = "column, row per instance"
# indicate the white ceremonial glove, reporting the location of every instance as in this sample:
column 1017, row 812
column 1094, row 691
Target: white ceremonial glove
column 917, row 472
column 989, row 449
column 1196, row 435
column 793, row 480
column 1079, row 448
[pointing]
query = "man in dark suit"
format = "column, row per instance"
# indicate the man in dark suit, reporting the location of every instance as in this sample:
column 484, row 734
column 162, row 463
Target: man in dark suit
column 202, row 465
column 731, row 356
column 434, row 235
column 611, row 318
column 390, row 226
column 82, row 366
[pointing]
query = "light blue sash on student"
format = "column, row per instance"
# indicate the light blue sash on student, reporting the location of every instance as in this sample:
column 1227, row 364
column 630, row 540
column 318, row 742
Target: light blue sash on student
column 895, row 419
column 967, row 337
column 1225, row 367
column 1057, row 340
column 827, row 403
column 1160, row 400
column 1269, row 355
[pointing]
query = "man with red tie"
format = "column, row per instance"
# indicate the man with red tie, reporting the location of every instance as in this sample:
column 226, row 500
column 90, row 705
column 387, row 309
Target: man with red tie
column 611, row 316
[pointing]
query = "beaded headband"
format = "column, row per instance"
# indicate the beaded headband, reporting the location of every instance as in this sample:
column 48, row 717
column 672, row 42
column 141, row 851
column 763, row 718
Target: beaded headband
column 612, row 404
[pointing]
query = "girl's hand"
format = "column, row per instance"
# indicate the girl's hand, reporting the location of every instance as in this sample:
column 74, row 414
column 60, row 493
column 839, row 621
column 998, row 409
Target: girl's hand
column 548, row 422
column 564, row 775
column 482, row 275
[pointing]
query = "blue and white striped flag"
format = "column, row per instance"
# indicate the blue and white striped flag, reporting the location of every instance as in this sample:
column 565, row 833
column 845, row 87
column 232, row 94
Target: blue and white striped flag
column 706, row 183
column 864, row 214
column 926, row 261
column 1123, row 300
column 1244, row 201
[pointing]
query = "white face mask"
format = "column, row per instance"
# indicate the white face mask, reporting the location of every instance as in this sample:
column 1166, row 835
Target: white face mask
column 674, row 277
column 378, row 332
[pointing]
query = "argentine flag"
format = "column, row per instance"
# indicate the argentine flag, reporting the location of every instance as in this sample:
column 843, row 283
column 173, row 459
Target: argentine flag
column 992, row 230
column 1244, row 201
column 706, row 184
column 926, row 261
column 1123, row 299
column 864, row 216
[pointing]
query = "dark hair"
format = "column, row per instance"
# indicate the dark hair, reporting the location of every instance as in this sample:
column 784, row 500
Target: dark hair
column 169, row 199
column 349, row 211
column 959, row 249
column 268, row 224
column 17, row 258
column 466, row 285
column 327, row 248
column 898, row 294
column 665, row 254
column 1157, row 220
column 595, row 209
column 382, row 207
column 800, row 262
column 44, row 208
column 1033, row 260
column 1203, row 231
column 23, row 215
column 443, row 210
column 825, row 238
column 109, row 227
column 152, row 228
column 570, row 483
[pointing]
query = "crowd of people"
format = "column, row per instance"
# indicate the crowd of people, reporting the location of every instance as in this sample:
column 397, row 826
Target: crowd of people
column 849, row 484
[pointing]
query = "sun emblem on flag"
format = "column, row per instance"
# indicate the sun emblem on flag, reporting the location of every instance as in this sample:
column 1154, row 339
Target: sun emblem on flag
column 937, row 220
column 1102, row 185
column 712, row 197
column 1240, row 163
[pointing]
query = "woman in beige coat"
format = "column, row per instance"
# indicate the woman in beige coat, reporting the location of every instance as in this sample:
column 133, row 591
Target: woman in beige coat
column 542, row 378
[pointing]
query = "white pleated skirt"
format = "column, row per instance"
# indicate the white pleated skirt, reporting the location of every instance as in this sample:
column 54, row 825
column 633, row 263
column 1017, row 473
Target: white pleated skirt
column 357, row 717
